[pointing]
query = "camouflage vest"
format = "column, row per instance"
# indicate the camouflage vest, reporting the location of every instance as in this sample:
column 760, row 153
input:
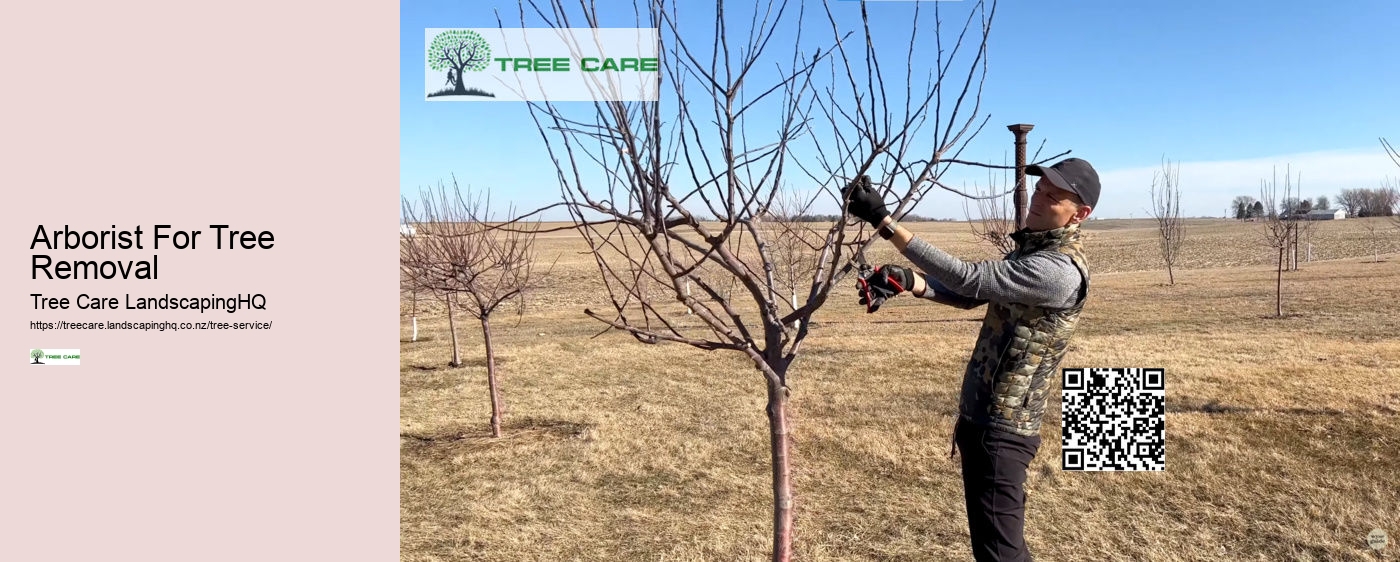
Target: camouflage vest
column 1020, row 347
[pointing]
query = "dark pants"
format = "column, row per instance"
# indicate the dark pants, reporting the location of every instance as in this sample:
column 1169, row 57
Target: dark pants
column 994, row 466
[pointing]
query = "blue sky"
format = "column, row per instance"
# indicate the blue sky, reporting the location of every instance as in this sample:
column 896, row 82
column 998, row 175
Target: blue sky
column 1228, row 90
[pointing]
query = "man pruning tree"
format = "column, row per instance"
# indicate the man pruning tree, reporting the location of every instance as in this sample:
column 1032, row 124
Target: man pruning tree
column 1034, row 296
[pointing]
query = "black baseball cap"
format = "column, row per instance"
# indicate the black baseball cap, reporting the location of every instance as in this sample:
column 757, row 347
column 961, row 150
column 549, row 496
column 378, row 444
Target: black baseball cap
column 1074, row 175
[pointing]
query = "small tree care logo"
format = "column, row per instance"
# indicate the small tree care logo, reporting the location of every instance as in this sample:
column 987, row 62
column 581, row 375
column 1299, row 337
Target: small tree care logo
column 458, row 51
column 54, row 357
column 541, row 64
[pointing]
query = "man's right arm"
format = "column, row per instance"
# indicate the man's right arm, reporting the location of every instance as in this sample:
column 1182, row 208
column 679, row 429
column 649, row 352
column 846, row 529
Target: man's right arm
column 925, row 285
column 1044, row 279
column 936, row 292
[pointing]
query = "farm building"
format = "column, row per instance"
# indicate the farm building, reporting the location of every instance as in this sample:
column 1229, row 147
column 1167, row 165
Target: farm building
column 1326, row 214
column 406, row 230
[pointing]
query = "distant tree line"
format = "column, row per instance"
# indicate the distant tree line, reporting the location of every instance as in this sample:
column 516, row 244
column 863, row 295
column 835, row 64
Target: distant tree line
column 1360, row 202
column 833, row 218
column 1373, row 202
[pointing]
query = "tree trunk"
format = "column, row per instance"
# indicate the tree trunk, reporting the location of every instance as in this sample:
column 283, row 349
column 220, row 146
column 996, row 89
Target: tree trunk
column 460, row 85
column 491, row 379
column 1278, row 294
column 782, row 481
column 452, row 326
column 414, row 313
column 1171, row 278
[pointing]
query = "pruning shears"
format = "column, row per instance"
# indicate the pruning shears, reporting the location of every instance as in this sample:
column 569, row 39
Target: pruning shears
column 863, row 274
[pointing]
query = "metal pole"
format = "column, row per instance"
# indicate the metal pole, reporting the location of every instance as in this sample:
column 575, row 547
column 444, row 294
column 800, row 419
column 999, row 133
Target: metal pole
column 1021, row 200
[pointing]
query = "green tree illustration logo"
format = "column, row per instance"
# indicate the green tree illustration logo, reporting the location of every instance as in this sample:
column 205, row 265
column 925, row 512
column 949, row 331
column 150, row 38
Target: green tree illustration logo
column 36, row 354
column 457, row 51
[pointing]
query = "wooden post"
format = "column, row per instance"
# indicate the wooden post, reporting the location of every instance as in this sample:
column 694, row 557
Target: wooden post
column 796, row 324
column 1021, row 199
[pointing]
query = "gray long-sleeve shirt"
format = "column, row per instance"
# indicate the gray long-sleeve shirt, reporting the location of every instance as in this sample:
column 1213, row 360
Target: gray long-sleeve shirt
column 1048, row 279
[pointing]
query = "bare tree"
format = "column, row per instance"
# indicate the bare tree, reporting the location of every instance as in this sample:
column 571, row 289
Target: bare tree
column 995, row 219
column 1279, row 229
column 1388, row 200
column 1165, row 193
column 1389, row 197
column 1351, row 200
column 421, row 272
column 794, row 241
column 1377, row 238
column 733, row 123
column 1370, row 201
column 456, row 252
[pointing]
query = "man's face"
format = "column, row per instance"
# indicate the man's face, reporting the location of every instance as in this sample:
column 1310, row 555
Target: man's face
column 1052, row 208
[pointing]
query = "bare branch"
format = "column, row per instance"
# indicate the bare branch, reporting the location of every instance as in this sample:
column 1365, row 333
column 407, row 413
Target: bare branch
column 1391, row 152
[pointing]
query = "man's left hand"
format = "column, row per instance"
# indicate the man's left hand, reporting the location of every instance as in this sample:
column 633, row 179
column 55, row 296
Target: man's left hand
column 864, row 202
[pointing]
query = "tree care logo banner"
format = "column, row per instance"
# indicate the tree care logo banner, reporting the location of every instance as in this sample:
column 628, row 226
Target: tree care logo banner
column 542, row 64
column 54, row 357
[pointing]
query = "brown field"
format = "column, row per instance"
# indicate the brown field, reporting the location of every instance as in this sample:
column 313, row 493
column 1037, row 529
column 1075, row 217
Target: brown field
column 1283, row 435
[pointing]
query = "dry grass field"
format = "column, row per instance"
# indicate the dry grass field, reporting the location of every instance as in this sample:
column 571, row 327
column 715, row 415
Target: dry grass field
column 1283, row 435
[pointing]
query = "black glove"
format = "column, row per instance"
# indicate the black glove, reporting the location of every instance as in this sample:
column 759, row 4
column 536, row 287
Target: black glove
column 864, row 202
column 881, row 284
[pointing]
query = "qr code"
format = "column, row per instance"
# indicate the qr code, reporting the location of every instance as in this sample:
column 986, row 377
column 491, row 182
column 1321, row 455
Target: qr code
column 1114, row 419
